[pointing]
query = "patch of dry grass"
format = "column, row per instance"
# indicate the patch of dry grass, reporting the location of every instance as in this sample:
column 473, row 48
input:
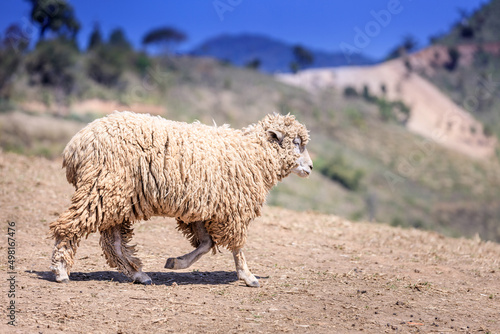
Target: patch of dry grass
column 35, row 135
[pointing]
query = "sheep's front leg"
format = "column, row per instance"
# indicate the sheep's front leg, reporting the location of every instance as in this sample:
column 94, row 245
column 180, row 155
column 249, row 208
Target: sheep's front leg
column 243, row 271
column 185, row 261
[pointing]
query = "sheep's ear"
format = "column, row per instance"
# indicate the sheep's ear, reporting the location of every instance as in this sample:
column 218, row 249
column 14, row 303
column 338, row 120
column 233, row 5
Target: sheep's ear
column 275, row 135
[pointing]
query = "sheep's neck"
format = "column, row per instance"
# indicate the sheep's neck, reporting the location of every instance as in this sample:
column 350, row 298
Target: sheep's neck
column 269, row 165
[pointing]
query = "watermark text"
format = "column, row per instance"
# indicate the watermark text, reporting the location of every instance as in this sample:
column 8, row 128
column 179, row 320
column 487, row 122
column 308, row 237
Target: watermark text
column 11, row 273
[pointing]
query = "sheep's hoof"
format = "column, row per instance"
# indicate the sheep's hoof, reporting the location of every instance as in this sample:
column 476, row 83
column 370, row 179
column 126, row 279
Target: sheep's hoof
column 146, row 282
column 253, row 284
column 62, row 279
column 141, row 278
column 171, row 263
column 60, row 273
column 249, row 279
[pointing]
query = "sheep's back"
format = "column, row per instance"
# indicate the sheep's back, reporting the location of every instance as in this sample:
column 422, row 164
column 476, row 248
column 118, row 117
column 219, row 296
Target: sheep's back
column 143, row 166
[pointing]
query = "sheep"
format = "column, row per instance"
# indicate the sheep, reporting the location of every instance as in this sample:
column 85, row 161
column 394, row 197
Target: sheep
column 213, row 180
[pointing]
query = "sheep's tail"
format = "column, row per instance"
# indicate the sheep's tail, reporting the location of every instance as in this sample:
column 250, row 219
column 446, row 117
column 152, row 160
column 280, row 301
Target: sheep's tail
column 81, row 151
column 70, row 159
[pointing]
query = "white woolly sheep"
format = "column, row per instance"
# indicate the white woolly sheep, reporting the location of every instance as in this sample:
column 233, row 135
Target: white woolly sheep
column 214, row 180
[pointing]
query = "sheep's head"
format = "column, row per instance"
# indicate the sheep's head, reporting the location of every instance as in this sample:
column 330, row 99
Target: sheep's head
column 290, row 138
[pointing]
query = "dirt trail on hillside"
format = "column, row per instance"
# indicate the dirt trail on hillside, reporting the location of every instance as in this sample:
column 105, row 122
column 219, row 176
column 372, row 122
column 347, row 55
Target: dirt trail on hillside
column 433, row 115
column 319, row 274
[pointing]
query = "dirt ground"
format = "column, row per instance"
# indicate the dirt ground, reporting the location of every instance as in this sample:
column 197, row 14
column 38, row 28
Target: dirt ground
column 318, row 274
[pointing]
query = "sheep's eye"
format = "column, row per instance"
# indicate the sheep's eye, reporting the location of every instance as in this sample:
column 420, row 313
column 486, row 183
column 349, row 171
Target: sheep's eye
column 298, row 144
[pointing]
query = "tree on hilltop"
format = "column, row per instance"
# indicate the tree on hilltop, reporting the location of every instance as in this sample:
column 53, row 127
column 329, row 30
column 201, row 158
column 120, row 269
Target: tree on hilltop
column 408, row 44
column 12, row 46
column 118, row 39
column 107, row 61
column 302, row 56
column 95, row 39
column 165, row 37
column 57, row 16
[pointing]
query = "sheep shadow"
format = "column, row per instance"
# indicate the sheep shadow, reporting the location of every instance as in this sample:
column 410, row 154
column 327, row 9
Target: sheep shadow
column 159, row 278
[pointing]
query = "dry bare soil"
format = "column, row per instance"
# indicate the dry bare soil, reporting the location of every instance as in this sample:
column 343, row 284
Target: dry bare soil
column 319, row 274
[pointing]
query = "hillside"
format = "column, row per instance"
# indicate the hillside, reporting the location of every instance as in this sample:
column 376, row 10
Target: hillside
column 319, row 274
column 369, row 167
column 274, row 56
column 465, row 64
column 433, row 115
column 480, row 27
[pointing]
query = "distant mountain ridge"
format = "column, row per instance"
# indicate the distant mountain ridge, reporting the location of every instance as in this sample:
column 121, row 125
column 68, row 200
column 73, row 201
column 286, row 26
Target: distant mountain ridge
column 275, row 56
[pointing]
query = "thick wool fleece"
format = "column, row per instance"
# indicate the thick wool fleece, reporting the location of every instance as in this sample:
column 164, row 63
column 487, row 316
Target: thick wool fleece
column 128, row 167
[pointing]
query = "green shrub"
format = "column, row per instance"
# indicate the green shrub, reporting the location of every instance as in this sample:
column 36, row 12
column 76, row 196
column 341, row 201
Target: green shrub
column 9, row 62
column 393, row 110
column 401, row 107
column 52, row 63
column 339, row 170
column 142, row 63
column 385, row 110
column 355, row 117
column 12, row 46
column 397, row 221
column 367, row 95
column 253, row 64
column 454, row 55
column 388, row 110
column 105, row 64
column 5, row 105
column 417, row 223
column 294, row 67
column 383, row 89
column 350, row 91
column 487, row 130
column 107, row 61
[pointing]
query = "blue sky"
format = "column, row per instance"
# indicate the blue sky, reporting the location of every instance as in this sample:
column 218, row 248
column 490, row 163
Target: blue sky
column 320, row 24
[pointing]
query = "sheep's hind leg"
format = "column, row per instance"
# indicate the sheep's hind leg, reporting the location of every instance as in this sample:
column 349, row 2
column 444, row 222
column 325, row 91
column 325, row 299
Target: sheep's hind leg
column 185, row 261
column 120, row 255
column 242, row 269
column 67, row 236
column 62, row 256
